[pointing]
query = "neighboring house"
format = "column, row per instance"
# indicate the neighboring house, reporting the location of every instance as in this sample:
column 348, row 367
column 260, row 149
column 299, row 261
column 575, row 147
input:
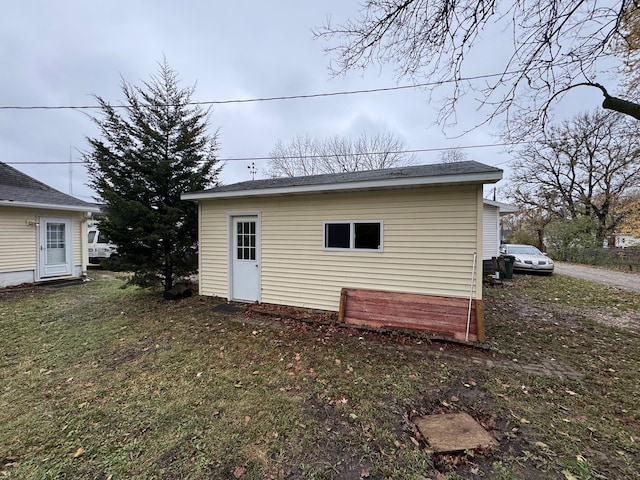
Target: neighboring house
column 622, row 240
column 492, row 235
column 43, row 234
column 301, row 241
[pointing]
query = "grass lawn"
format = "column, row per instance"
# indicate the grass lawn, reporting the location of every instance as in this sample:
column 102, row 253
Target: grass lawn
column 103, row 381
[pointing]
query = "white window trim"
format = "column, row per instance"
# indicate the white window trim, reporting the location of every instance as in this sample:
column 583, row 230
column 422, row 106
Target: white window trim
column 352, row 236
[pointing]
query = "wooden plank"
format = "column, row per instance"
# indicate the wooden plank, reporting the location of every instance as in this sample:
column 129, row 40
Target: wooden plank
column 343, row 305
column 453, row 432
column 446, row 316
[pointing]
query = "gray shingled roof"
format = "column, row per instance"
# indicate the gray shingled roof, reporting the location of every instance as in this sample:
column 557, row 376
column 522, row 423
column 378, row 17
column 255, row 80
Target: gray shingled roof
column 19, row 187
column 469, row 168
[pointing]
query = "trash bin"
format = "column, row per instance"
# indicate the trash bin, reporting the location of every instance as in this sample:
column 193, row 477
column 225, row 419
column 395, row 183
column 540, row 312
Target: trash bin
column 508, row 260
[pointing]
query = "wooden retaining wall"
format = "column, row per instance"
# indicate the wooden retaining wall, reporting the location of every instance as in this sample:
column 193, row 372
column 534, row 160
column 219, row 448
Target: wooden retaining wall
column 442, row 316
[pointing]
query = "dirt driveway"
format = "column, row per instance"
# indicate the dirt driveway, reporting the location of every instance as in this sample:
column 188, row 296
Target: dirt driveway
column 627, row 281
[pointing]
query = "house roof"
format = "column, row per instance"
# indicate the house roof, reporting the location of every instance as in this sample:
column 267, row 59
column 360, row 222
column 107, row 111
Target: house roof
column 402, row 177
column 20, row 190
column 503, row 208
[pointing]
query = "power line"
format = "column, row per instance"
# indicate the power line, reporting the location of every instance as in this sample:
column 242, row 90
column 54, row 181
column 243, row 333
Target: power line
column 294, row 157
column 280, row 98
column 271, row 99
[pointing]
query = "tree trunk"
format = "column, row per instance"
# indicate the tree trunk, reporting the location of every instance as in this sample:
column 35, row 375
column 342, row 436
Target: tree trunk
column 540, row 245
column 168, row 273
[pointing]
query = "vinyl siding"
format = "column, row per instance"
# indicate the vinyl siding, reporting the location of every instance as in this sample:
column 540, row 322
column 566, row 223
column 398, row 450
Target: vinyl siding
column 430, row 235
column 19, row 241
column 490, row 232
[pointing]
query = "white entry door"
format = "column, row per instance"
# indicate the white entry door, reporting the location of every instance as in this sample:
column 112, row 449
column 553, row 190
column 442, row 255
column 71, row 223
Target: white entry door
column 55, row 252
column 245, row 274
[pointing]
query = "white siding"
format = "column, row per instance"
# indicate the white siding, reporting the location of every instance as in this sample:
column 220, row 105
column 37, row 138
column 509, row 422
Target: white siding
column 490, row 232
column 430, row 236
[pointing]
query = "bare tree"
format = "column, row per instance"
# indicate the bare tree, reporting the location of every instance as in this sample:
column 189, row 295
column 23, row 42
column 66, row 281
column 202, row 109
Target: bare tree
column 583, row 168
column 557, row 46
column 452, row 155
column 306, row 155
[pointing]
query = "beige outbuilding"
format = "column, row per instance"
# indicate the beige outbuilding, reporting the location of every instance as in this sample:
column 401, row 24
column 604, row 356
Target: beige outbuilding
column 43, row 234
column 305, row 241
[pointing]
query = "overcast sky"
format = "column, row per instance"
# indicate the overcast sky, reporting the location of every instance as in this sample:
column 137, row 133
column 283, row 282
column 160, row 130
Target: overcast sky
column 61, row 53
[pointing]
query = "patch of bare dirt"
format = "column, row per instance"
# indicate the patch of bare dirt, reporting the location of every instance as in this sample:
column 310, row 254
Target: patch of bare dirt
column 616, row 318
column 572, row 317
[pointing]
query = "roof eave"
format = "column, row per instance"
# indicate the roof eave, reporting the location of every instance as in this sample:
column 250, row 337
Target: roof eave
column 502, row 207
column 48, row 206
column 475, row 178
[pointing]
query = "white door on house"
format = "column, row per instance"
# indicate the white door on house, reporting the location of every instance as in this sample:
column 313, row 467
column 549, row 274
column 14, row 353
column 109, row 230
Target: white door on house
column 245, row 274
column 55, row 255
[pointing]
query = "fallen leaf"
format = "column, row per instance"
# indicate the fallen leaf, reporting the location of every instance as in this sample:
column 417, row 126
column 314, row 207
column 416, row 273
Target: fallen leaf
column 77, row 453
column 239, row 471
column 524, row 420
column 541, row 445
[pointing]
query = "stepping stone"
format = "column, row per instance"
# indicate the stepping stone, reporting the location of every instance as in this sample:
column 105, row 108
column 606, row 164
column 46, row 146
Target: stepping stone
column 453, row 432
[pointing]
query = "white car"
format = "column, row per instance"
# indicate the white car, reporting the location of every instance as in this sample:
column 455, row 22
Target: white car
column 528, row 258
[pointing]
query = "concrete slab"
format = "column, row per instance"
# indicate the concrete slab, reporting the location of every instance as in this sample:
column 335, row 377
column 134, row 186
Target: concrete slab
column 453, row 432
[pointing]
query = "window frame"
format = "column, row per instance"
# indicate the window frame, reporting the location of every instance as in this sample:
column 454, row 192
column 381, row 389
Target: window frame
column 352, row 236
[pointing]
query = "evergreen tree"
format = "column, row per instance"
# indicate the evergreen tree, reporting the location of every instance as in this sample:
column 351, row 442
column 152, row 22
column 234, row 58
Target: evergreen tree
column 152, row 149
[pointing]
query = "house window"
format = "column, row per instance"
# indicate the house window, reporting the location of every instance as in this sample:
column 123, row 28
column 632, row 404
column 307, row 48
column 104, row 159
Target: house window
column 56, row 243
column 360, row 235
column 246, row 241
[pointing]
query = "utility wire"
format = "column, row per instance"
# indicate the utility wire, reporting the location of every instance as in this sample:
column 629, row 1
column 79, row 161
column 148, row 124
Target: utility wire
column 288, row 97
column 294, row 157
column 271, row 99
